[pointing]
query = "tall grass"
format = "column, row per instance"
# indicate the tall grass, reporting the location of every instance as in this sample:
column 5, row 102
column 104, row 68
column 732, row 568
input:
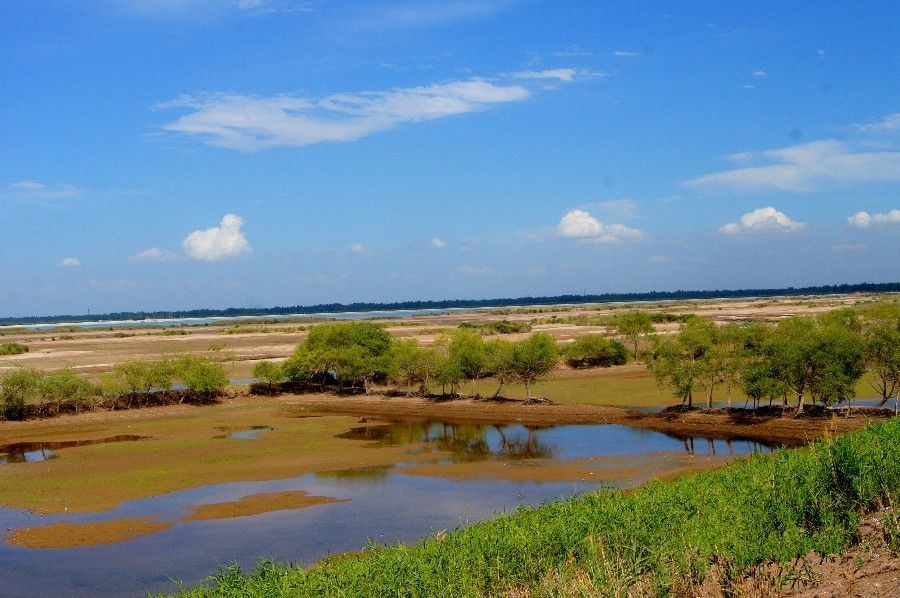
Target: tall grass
column 659, row 538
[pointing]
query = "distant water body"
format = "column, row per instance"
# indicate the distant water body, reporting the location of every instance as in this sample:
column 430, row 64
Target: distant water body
column 163, row 322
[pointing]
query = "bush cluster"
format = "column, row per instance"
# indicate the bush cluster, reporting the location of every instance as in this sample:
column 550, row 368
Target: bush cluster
column 820, row 358
column 13, row 349
column 30, row 392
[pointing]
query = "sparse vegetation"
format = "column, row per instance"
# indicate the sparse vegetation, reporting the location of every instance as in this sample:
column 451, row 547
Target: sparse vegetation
column 498, row 327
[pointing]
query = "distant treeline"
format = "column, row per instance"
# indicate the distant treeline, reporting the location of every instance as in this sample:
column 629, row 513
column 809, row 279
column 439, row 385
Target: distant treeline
column 886, row 287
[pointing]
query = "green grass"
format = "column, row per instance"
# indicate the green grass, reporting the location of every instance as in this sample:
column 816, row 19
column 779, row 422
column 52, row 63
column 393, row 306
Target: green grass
column 614, row 387
column 13, row 348
column 662, row 536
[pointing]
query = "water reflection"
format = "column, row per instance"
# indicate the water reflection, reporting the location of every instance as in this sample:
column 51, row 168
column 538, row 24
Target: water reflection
column 478, row 442
column 242, row 433
column 33, row 452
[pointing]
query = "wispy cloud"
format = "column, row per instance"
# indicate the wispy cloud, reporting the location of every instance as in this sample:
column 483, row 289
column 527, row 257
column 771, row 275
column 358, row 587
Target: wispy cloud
column 760, row 74
column 253, row 123
column 69, row 262
column 571, row 52
column 155, row 254
column 580, row 225
column 762, row 221
column 803, row 168
column 866, row 220
column 26, row 190
column 437, row 243
column 218, row 242
column 887, row 124
column 625, row 54
column 250, row 123
column 566, row 75
column 360, row 249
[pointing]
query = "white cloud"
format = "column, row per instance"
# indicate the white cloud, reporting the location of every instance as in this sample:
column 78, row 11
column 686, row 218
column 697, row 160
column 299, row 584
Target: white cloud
column 566, row 75
column 578, row 224
column 887, row 124
column 761, row 221
column 438, row 243
column 38, row 190
column 865, row 220
column 626, row 54
column 251, row 123
column 760, row 74
column 360, row 249
column 69, row 262
column 154, row 254
column 219, row 242
column 803, row 167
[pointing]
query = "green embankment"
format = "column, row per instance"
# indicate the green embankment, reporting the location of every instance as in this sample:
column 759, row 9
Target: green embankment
column 662, row 536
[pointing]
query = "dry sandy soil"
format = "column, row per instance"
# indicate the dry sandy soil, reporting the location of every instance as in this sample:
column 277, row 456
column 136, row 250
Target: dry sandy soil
column 95, row 351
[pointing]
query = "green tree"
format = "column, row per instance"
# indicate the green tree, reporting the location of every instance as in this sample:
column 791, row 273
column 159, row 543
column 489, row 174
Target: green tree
column 592, row 350
column 822, row 360
column 633, row 326
column 410, row 365
column 353, row 353
column 466, row 349
column 678, row 360
column 501, row 362
column 17, row 389
column 534, row 358
column 268, row 372
column 201, row 376
column 66, row 387
column 883, row 360
column 447, row 374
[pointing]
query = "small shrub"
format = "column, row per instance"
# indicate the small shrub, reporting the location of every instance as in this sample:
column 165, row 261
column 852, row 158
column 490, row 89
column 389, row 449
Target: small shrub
column 201, row 376
column 595, row 351
column 13, row 349
column 269, row 374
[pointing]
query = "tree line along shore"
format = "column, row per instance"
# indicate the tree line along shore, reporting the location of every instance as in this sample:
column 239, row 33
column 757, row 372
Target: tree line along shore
column 801, row 358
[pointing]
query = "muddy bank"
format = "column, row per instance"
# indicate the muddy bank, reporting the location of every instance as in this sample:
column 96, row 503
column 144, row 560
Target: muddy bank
column 257, row 504
column 723, row 423
column 66, row 534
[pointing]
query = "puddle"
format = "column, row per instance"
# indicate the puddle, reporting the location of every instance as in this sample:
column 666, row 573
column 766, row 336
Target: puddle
column 243, row 433
column 33, row 452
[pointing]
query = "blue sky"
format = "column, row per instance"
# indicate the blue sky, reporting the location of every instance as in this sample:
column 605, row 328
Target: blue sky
column 178, row 154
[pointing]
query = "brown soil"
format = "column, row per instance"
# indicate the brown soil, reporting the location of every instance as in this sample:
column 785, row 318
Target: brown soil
column 65, row 534
column 256, row 504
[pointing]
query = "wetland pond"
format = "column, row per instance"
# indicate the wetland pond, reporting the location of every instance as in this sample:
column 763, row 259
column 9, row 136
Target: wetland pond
column 452, row 475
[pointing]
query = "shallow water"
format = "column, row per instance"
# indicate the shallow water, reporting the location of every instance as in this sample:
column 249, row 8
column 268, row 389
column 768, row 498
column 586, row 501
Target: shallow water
column 33, row 452
column 384, row 504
